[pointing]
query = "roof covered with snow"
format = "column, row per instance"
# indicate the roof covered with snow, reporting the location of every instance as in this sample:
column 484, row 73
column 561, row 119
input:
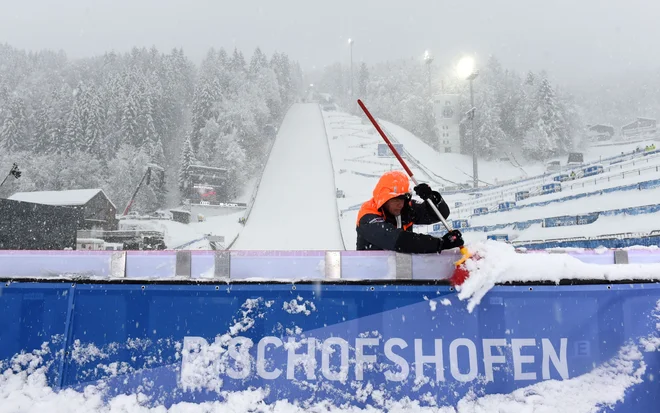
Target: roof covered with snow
column 61, row 198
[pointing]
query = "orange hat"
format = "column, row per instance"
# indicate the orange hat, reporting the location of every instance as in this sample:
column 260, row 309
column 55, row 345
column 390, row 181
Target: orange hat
column 391, row 185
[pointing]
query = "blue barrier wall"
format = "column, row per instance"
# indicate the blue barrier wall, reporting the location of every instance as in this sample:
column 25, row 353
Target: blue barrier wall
column 329, row 341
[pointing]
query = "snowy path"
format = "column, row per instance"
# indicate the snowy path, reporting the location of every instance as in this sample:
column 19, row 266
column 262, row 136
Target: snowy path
column 295, row 207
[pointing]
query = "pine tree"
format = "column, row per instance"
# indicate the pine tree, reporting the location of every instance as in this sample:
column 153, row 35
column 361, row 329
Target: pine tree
column 232, row 157
column 204, row 103
column 550, row 122
column 14, row 132
column 95, row 123
column 258, row 63
column 490, row 136
column 531, row 79
column 41, row 136
column 129, row 126
column 280, row 64
column 209, row 135
column 187, row 159
column 157, row 156
column 237, row 63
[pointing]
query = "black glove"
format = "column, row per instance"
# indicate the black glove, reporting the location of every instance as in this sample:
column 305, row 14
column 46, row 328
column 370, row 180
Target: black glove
column 452, row 239
column 423, row 191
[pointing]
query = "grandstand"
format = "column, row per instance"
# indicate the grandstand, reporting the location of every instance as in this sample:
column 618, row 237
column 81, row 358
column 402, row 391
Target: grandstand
column 608, row 201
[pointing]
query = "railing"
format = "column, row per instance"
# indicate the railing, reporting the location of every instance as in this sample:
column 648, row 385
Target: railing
column 639, row 186
column 610, row 241
column 334, row 176
column 468, row 207
column 630, row 155
column 532, row 185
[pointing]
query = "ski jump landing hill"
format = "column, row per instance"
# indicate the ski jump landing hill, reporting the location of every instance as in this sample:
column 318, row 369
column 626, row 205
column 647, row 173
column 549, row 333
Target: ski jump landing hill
column 315, row 325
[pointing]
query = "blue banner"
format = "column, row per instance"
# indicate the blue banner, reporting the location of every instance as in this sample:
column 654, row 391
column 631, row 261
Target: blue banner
column 345, row 343
column 384, row 150
column 587, row 218
column 562, row 221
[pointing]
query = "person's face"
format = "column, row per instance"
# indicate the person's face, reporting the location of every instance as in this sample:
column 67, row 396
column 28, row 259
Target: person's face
column 394, row 206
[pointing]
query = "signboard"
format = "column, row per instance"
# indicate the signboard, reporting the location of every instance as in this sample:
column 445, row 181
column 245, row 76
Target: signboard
column 575, row 158
column 384, row 150
column 206, row 184
column 522, row 195
column 498, row 237
column 560, row 221
column 587, row 218
column 480, row 211
column 460, row 223
column 353, row 344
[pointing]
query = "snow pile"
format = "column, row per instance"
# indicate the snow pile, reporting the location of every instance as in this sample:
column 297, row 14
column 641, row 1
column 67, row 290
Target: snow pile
column 294, row 307
column 204, row 363
column 497, row 262
column 602, row 387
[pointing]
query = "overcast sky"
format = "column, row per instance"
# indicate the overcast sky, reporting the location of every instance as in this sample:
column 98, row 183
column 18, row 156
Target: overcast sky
column 579, row 39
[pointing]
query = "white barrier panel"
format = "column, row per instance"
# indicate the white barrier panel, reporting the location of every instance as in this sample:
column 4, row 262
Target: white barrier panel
column 40, row 264
column 266, row 265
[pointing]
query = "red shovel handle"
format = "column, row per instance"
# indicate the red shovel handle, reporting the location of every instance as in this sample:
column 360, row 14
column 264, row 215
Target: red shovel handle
column 387, row 141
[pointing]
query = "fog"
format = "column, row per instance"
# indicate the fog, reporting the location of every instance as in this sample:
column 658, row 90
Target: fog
column 573, row 41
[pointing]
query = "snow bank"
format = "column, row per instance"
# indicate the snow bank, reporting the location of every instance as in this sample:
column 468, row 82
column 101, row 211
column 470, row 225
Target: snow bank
column 497, row 263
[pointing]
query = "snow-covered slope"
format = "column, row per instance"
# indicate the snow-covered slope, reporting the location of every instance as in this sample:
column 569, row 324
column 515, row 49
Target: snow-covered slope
column 295, row 207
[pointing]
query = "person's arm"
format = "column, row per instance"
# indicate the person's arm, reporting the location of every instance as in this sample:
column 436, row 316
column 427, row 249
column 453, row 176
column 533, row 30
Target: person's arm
column 423, row 212
column 386, row 236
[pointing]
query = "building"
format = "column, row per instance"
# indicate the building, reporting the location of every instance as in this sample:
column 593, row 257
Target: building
column 32, row 226
column 447, row 121
column 600, row 132
column 97, row 209
column 205, row 185
column 639, row 129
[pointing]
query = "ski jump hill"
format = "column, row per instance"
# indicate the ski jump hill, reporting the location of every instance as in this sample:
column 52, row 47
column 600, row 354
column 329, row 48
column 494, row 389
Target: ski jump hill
column 290, row 319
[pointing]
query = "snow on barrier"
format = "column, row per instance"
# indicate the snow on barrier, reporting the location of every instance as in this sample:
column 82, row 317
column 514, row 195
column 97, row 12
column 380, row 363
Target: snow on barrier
column 364, row 329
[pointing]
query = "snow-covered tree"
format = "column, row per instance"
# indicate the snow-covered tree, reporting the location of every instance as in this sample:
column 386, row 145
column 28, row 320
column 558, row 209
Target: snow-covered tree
column 130, row 123
column 231, row 156
column 491, row 139
column 550, row 121
column 187, row 159
column 14, row 134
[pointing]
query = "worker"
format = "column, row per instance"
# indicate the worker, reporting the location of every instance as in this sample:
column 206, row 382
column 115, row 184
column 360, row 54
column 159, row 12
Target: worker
column 385, row 221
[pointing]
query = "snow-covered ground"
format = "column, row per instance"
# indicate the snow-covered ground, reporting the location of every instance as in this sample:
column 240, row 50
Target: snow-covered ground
column 295, row 206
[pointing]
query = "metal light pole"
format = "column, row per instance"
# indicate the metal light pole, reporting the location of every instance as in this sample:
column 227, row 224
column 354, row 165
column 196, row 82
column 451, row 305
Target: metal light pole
column 428, row 59
column 466, row 70
column 350, row 43
column 475, row 170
